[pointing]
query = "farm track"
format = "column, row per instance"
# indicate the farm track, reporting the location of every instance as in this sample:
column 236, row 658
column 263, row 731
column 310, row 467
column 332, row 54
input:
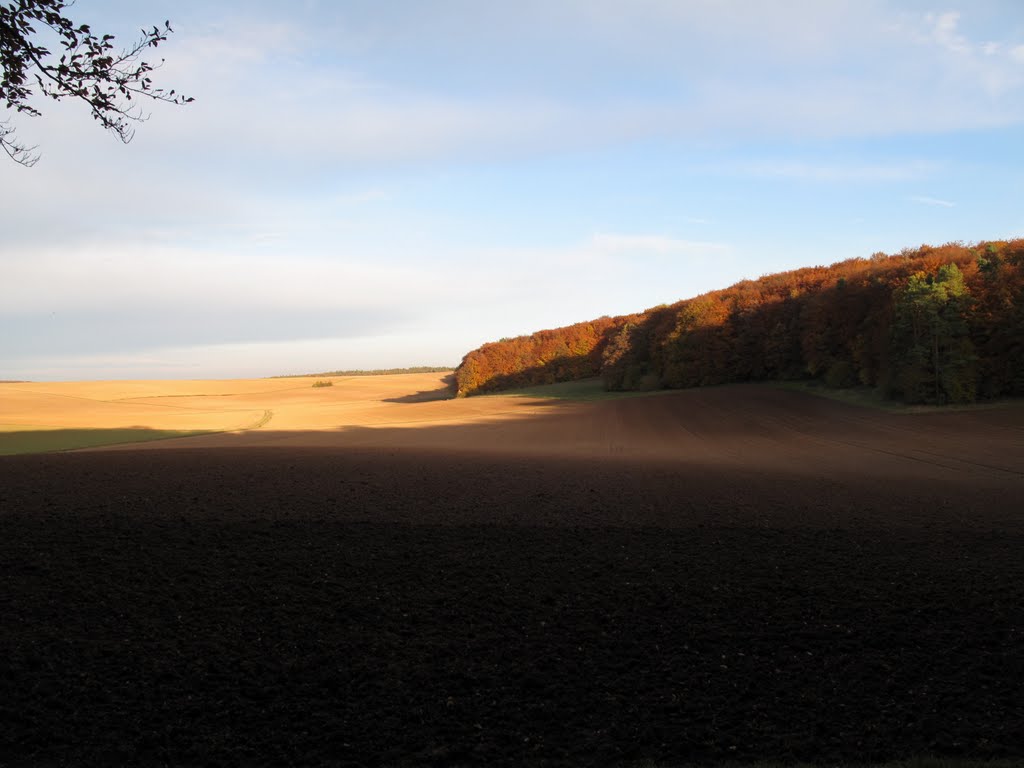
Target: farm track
column 731, row 574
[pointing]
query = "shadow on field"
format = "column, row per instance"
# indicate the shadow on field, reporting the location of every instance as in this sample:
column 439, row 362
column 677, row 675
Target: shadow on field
column 739, row 429
column 422, row 607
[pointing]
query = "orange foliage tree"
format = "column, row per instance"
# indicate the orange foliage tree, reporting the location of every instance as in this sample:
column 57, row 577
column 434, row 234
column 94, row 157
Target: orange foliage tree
column 545, row 357
column 848, row 324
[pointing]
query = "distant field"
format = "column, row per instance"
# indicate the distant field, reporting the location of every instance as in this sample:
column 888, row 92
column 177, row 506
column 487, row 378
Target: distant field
column 371, row 372
column 55, row 416
column 293, row 410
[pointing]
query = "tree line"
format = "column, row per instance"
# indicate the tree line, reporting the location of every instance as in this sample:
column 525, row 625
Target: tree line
column 370, row 372
column 932, row 325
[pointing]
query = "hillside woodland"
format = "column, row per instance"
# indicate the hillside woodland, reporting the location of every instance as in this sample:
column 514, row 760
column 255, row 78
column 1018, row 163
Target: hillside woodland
column 932, row 325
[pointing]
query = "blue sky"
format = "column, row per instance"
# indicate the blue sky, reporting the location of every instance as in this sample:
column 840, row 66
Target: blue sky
column 383, row 184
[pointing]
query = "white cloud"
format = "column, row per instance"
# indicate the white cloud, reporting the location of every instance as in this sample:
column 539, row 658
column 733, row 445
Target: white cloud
column 945, row 33
column 352, row 93
column 686, row 70
column 140, row 277
column 963, row 62
column 229, row 49
column 720, row 30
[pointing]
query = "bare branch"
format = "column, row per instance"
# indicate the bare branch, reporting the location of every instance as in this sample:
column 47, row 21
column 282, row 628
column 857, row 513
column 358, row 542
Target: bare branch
column 18, row 152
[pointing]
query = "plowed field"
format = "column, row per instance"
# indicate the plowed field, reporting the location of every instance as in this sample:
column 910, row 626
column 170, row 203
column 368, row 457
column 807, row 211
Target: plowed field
column 388, row 578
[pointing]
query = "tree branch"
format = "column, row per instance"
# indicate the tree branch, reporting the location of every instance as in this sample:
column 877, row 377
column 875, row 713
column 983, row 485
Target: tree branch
column 89, row 70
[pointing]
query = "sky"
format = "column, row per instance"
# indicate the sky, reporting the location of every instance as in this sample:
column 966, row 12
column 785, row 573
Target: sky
column 389, row 183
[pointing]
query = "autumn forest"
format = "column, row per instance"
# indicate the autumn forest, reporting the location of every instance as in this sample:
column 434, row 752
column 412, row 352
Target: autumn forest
column 933, row 325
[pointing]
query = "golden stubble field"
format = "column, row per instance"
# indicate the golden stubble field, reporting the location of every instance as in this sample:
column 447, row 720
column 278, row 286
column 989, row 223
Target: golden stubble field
column 237, row 412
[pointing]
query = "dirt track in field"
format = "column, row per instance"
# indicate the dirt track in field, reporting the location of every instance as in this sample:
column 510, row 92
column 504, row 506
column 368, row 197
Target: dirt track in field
column 736, row 573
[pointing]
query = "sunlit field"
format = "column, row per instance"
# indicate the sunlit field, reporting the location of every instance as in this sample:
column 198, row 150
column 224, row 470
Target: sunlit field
column 66, row 415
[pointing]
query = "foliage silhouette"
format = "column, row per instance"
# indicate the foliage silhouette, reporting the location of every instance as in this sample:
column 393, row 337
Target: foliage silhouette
column 89, row 70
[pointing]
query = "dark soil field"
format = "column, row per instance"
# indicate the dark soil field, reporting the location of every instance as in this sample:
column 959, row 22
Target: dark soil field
column 723, row 575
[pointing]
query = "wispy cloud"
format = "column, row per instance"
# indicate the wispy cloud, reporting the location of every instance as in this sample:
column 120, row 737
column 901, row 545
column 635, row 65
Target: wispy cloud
column 806, row 171
column 638, row 245
column 145, row 277
column 962, row 62
column 932, row 201
column 691, row 70
column 375, row 194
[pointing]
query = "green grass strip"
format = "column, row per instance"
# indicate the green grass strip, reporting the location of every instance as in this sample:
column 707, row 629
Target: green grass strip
column 50, row 440
column 584, row 390
column 869, row 397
